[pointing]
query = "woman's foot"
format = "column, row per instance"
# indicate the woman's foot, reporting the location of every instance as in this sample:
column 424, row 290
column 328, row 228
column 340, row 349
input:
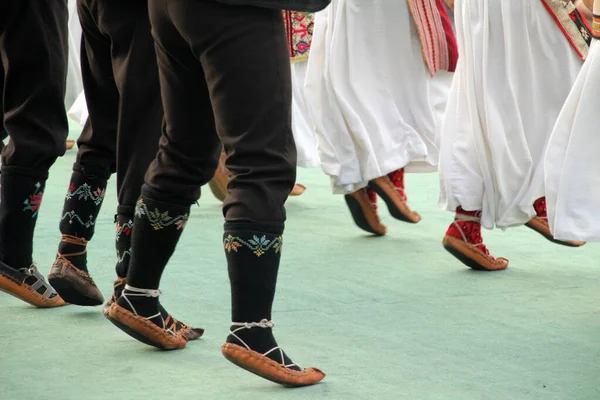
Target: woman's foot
column 251, row 346
column 363, row 208
column 392, row 193
column 463, row 240
column 539, row 223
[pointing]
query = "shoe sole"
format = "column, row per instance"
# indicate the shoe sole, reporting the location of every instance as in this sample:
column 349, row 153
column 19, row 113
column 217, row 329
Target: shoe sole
column 133, row 333
column 391, row 206
column 359, row 217
column 469, row 262
column 264, row 374
column 69, row 294
column 551, row 239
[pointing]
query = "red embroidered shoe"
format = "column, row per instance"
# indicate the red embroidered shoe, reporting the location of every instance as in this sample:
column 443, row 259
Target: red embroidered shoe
column 539, row 223
column 363, row 208
column 397, row 178
column 463, row 240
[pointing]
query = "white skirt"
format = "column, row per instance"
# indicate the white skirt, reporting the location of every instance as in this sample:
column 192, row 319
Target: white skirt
column 302, row 125
column 374, row 105
column 74, row 81
column 515, row 71
column 572, row 162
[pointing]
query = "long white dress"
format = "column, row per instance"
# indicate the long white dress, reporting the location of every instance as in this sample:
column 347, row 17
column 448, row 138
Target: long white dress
column 302, row 124
column 74, row 81
column 374, row 105
column 514, row 73
column 572, row 162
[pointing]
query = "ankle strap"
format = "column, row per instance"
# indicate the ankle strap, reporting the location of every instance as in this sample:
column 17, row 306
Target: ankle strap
column 74, row 240
column 264, row 323
column 142, row 292
column 469, row 218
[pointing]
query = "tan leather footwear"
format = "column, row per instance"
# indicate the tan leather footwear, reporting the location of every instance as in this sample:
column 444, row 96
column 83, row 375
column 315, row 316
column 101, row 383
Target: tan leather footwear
column 29, row 285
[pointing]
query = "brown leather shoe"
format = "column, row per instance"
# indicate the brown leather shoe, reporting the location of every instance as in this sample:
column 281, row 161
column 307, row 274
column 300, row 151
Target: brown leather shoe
column 472, row 256
column 269, row 369
column 218, row 184
column 145, row 331
column 29, row 285
column 541, row 226
column 397, row 207
column 72, row 284
column 174, row 325
column 298, row 190
column 364, row 213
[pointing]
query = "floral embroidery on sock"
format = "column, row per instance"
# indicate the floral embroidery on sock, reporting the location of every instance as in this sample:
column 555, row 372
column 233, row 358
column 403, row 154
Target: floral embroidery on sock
column 124, row 229
column 34, row 201
column 72, row 216
column 160, row 220
column 258, row 246
column 84, row 192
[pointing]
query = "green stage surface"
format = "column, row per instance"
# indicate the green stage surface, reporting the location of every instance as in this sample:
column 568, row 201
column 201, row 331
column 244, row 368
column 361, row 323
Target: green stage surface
column 386, row 318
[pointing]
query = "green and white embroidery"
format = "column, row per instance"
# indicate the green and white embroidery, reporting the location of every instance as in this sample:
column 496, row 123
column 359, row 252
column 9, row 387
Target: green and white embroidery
column 72, row 216
column 258, row 246
column 160, row 220
column 84, row 192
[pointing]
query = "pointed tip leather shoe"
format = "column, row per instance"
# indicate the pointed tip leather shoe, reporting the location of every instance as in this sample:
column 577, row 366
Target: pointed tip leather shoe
column 364, row 213
column 394, row 200
column 29, row 285
column 74, row 285
column 269, row 369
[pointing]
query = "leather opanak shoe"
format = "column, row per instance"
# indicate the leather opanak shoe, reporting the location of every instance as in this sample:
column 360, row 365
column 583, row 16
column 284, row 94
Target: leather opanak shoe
column 29, row 285
column 74, row 285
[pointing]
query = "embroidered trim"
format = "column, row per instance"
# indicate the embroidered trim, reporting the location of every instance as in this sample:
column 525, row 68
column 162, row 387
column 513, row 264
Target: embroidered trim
column 121, row 257
column 34, row 201
column 596, row 26
column 72, row 216
column 125, row 228
column 438, row 42
column 258, row 246
column 160, row 220
column 299, row 30
column 84, row 192
column 575, row 27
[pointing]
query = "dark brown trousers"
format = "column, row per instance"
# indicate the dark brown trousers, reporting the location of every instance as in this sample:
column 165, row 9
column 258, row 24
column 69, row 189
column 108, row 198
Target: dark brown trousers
column 120, row 79
column 33, row 76
column 225, row 77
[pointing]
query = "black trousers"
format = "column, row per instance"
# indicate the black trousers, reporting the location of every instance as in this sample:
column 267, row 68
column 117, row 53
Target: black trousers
column 33, row 49
column 120, row 80
column 224, row 74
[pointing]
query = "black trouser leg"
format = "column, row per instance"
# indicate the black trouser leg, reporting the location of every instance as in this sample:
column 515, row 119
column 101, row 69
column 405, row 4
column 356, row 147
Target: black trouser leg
column 230, row 62
column 123, row 95
column 34, row 82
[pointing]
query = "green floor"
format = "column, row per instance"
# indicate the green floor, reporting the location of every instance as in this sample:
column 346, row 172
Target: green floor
column 386, row 318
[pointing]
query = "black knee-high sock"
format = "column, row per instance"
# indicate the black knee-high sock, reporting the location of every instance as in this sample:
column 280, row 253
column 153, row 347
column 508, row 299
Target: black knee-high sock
column 21, row 198
column 253, row 253
column 157, row 228
column 82, row 205
column 124, row 221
